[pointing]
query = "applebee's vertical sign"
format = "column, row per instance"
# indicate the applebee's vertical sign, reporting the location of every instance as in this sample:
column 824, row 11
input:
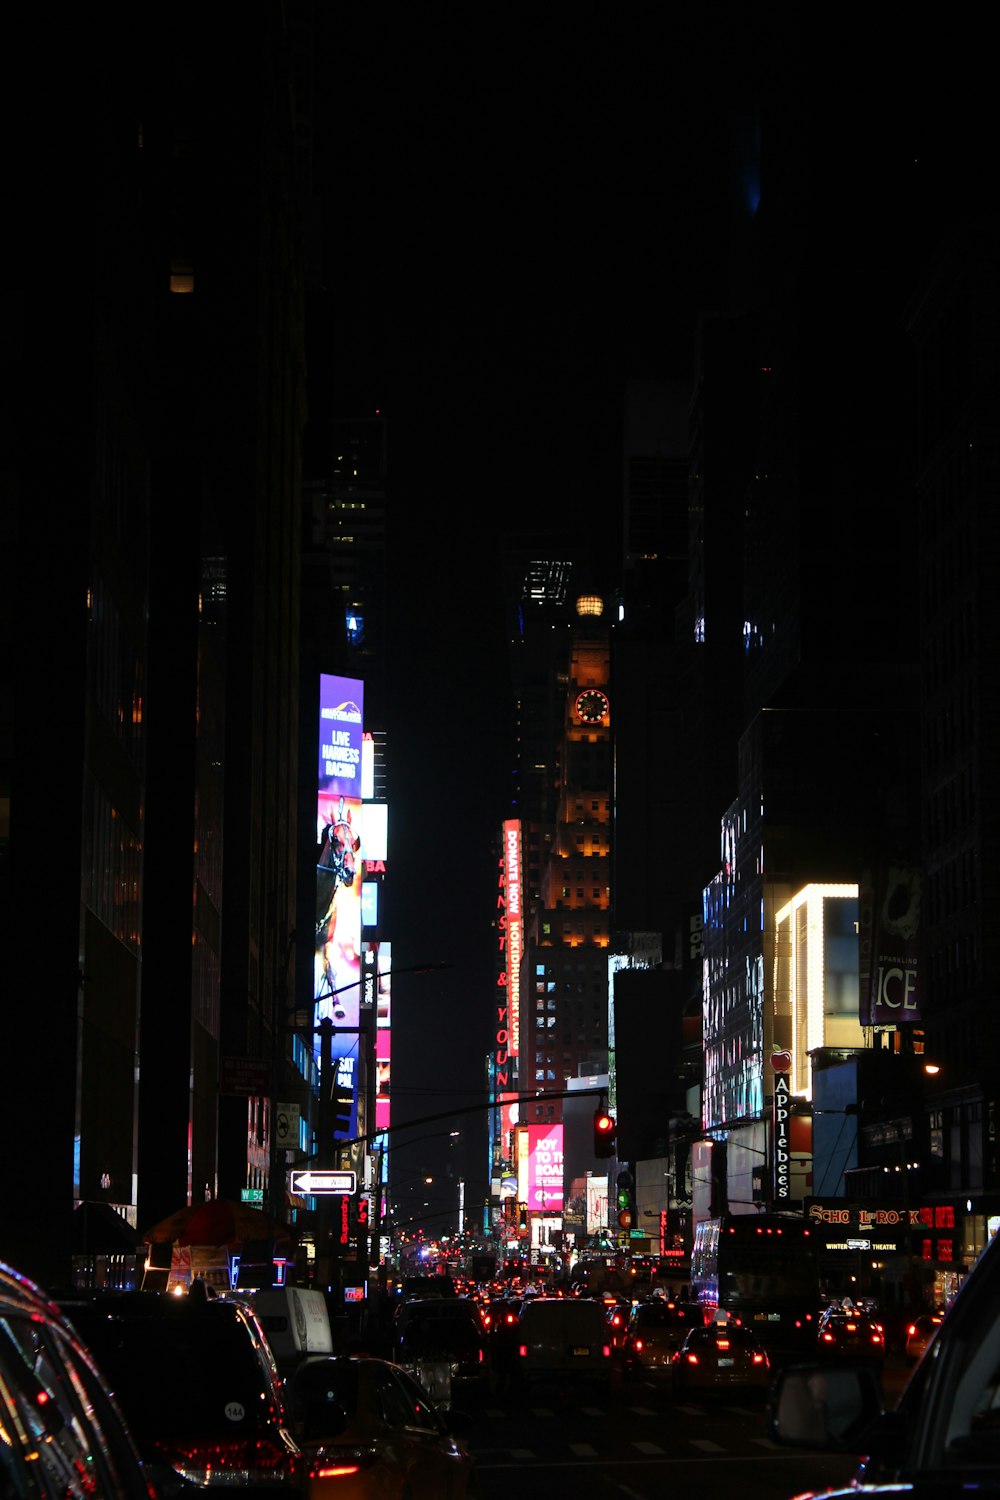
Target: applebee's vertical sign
column 781, row 1062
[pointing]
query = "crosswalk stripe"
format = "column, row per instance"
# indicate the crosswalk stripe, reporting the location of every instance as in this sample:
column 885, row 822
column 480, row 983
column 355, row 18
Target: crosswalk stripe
column 650, row 1448
column 583, row 1450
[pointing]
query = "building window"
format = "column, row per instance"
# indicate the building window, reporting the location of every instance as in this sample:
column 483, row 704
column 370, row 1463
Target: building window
column 182, row 277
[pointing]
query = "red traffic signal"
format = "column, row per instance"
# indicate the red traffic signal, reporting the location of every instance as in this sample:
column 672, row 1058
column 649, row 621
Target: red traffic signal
column 604, row 1133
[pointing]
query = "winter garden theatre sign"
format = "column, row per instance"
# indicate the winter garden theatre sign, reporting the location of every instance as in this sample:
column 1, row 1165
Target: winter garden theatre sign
column 854, row 1227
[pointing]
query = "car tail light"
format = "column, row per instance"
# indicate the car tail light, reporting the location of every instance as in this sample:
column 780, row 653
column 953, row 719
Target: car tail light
column 828, row 1338
column 522, row 1350
column 691, row 1358
column 760, row 1359
column 637, row 1345
column 876, row 1338
column 234, row 1461
column 606, row 1351
column 851, row 1327
column 341, row 1463
column 722, row 1344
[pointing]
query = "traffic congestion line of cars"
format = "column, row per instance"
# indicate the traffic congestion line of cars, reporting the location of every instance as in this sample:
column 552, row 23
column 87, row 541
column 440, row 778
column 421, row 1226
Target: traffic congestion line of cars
column 150, row 1396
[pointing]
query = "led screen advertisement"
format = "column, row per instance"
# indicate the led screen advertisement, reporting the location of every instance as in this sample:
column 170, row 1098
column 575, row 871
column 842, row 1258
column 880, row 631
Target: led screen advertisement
column 515, row 930
column 540, row 1167
column 383, row 1036
column 339, row 857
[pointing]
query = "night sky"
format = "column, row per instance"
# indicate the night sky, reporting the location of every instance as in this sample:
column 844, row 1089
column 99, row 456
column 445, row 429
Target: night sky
column 528, row 218
column 529, row 221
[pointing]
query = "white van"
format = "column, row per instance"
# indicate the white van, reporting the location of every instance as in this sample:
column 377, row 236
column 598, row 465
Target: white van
column 296, row 1322
column 563, row 1338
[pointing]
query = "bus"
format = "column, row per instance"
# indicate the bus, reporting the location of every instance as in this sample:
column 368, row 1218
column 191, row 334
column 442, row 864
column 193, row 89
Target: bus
column 762, row 1271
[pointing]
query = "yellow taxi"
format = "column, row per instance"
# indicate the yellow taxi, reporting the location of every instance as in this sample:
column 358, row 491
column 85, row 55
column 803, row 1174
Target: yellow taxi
column 367, row 1429
column 919, row 1334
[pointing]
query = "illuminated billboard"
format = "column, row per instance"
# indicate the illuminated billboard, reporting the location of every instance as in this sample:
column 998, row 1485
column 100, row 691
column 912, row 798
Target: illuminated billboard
column 383, row 1036
column 339, row 856
column 515, row 929
column 597, row 1203
column 540, row 1167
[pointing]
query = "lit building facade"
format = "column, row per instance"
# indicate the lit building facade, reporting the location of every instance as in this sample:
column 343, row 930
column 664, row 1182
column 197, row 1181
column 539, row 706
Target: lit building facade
column 565, row 1016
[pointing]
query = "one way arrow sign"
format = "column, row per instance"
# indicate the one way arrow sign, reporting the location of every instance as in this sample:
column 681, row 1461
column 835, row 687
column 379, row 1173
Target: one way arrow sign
column 318, row 1182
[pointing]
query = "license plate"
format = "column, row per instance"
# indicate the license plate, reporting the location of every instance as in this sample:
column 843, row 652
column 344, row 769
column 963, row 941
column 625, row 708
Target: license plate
column 726, row 1364
column 582, row 1349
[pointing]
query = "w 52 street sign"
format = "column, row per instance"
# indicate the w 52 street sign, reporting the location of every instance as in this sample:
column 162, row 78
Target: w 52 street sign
column 312, row 1181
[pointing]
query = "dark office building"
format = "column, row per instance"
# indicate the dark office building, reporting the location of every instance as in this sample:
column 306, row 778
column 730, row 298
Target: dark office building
column 954, row 326
column 152, row 539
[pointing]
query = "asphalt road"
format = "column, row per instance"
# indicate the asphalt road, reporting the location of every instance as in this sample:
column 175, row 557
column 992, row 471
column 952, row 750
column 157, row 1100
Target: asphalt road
column 637, row 1440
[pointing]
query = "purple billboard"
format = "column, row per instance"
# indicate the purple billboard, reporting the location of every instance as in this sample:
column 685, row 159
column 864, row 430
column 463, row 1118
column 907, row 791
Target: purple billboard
column 339, row 864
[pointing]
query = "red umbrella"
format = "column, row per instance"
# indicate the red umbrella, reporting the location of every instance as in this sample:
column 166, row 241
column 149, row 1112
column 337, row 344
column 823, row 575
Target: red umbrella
column 217, row 1221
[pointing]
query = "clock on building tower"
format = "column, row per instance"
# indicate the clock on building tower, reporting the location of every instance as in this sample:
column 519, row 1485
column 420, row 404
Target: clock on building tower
column 592, row 706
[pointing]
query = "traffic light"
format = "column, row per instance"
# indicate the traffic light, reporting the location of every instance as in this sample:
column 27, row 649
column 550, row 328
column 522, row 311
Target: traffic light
column 604, row 1132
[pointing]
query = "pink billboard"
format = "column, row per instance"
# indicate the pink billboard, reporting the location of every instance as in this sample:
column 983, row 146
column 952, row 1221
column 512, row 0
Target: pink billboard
column 383, row 1037
column 540, row 1167
column 515, row 930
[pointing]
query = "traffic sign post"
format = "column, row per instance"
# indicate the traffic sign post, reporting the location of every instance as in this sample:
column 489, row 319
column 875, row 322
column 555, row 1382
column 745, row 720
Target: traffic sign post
column 318, row 1183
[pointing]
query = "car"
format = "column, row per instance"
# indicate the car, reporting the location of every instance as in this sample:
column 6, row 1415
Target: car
column 421, row 1309
column 941, row 1439
column 199, row 1387
column 718, row 1357
column 852, row 1335
column 369, row 1430
column 563, row 1338
column 502, row 1318
column 444, row 1346
column 617, row 1320
column 919, row 1334
column 655, row 1330
column 61, row 1431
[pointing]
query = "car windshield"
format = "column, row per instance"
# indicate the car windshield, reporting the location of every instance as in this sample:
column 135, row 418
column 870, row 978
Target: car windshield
column 583, row 1319
column 440, row 1333
column 332, row 1382
column 658, row 1317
